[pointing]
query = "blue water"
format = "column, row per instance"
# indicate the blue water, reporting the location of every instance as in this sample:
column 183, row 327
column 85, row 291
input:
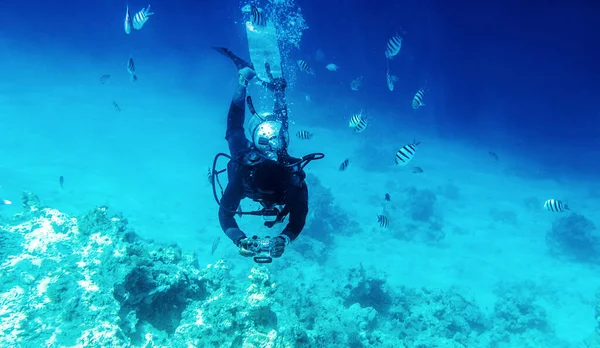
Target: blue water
column 514, row 78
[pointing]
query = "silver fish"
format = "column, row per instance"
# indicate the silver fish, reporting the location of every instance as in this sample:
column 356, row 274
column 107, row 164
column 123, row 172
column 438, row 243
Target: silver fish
column 5, row 201
column 215, row 245
column 131, row 69
column 127, row 24
column 390, row 80
column 140, row 18
column 356, row 83
column 331, row 67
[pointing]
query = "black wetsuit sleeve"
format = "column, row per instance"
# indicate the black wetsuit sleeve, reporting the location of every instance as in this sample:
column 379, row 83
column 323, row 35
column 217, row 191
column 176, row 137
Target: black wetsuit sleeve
column 229, row 204
column 297, row 202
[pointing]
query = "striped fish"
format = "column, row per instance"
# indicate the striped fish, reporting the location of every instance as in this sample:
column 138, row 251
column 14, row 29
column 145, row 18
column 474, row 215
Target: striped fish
column 304, row 135
column 383, row 221
column 356, row 83
column 417, row 101
column 131, row 69
column 358, row 122
column 209, row 176
column 127, row 24
column 140, row 18
column 256, row 17
column 393, row 46
column 406, row 153
column 555, row 206
column 304, row 67
column 344, row 165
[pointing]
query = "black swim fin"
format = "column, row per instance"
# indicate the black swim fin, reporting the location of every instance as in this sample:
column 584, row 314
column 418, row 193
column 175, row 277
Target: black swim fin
column 239, row 62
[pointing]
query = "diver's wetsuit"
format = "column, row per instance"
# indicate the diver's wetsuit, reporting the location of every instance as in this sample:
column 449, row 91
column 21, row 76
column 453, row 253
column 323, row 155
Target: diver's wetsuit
column 285, row 185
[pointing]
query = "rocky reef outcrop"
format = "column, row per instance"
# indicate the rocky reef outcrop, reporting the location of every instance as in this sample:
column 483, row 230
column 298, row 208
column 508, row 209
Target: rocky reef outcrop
column 92, row 281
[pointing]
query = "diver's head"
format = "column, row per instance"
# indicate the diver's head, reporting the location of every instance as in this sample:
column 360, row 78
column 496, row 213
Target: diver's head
column 269, row 139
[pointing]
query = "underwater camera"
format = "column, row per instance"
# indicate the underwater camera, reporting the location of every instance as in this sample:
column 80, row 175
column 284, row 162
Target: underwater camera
column 261, row 247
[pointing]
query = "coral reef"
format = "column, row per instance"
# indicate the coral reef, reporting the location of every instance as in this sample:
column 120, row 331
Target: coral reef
column 574, row 237
column 325, row 219
column 92, row 281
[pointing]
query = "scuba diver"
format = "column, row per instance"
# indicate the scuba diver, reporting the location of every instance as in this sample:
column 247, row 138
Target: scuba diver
column 260, row 168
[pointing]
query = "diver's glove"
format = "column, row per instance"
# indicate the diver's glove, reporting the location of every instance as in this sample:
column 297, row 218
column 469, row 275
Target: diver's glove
column 279, row 244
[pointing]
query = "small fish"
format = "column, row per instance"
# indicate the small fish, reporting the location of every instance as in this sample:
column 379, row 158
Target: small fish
column 104, row 78
column 383, row 221
column 304, row 135
column 331, row 67
column 356, row 83
column 215, row 245
column 393, row 46
column 556, row 206
column 256, row 17
column 308, row 98
column 358, row 122
column 239, row 211
column 209, row 176
column 494, row 156
column 140, row 18
column 344, row 165
column 116, row 106
column 305, row 67
column 387, row 197
column 417, row 170
column 61, row 181
column 406, row 153
column 417, row 101
column 390, row 80
column 127, row 24
column 131, row 69
column 5, row 201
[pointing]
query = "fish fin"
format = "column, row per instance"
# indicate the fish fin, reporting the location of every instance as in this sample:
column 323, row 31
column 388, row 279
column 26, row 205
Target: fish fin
column 239, row 62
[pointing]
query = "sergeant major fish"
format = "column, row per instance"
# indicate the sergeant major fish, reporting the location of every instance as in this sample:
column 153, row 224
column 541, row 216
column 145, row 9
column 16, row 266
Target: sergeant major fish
column 394, row 45
column 383, row 221
column 406, row 153
column 305, row 67
column 256, row 17
column 358, row 122
column 304, row 135
column 141, row 17
column 344, row 165
column 417, row 101
column 555, row 206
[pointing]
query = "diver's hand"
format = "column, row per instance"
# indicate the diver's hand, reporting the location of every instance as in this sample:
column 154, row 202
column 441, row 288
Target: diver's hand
column 278, row 246
column 244, row 247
